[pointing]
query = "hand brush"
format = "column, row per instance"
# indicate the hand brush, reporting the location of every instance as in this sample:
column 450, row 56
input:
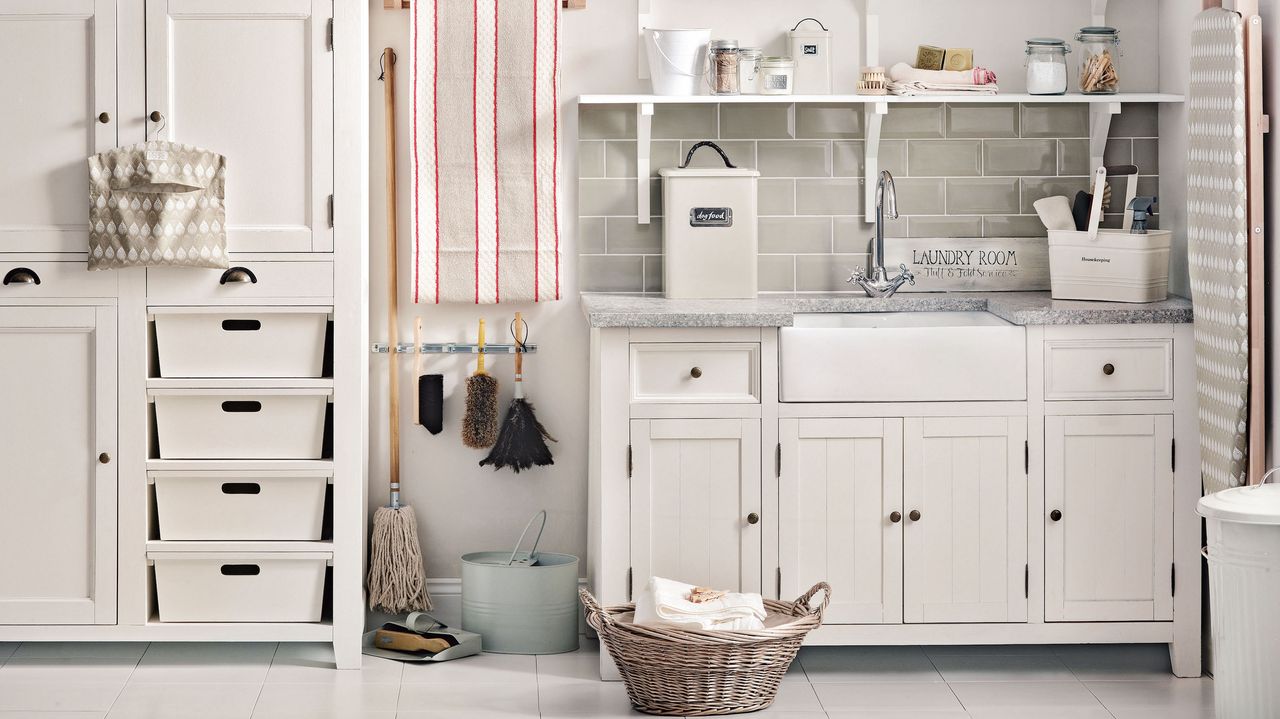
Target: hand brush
column 522, row 441
column 480, row 424
column 428, row 405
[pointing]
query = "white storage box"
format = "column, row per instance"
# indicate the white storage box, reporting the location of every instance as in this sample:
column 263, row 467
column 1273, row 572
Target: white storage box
column 709, row 230
column 241, row 424
column 248, row 342
column 240, row 587
column 1115, row 267
column 244, row 506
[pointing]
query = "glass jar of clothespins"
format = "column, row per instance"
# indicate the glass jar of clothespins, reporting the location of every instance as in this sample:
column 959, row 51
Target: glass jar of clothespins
column 1100, row 56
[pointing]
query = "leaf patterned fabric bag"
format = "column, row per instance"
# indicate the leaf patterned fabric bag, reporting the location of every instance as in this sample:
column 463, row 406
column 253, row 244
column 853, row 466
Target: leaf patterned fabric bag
column 157, row 204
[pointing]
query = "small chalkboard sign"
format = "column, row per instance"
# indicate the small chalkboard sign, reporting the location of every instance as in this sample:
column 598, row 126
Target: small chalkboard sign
column 963, row 264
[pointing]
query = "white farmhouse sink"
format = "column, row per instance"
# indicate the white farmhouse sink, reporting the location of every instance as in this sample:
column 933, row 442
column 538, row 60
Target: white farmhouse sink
column 903, row 357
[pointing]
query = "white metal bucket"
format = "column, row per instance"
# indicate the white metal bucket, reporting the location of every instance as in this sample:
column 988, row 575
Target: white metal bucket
column 677, row 60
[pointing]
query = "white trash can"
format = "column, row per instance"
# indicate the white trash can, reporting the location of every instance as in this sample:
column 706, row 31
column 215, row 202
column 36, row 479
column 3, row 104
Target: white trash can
column 1243, row 529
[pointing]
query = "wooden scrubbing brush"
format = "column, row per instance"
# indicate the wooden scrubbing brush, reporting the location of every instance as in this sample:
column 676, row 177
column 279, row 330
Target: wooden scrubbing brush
column 480, row 425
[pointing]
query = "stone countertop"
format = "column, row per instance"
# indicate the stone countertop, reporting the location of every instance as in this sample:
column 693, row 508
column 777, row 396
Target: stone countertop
column 1019, row 308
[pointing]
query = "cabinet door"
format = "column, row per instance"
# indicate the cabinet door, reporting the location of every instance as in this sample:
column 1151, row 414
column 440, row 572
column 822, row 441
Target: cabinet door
column 251, row 80
column 57, row 499
column 59, row 60
column 841, row 481
column 966, row 554
column 1109, row 553
column 694, row 483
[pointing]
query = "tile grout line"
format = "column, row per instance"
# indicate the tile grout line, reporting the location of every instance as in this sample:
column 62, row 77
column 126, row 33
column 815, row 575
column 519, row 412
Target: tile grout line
column 263, row 686
column 125, row 685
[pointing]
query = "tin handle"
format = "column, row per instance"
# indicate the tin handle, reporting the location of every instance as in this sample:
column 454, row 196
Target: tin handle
column 707, row 143
column 534, row 549
column 814, row 19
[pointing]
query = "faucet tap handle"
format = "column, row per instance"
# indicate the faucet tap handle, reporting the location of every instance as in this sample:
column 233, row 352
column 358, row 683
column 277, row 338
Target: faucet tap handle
column 907, row 274
column 856, row 275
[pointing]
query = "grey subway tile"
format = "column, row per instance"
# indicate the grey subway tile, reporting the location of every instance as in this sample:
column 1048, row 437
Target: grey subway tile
column 653, row 273
column 591, row 234
column 945, row 226
column 777, row 273
column 1037, row 188
column 921, row 196
column 1136, row 120
column 944, row 158
column 826, row 273
column 985, row 196
column 755, row 122
column 606, row 122
column 1055, row 120
column 849, row 157
column 982, row 120
column 611, row 273
column 1013, row 226
column 601, row 198
column 685, row 122
column 840, row 196
column 853, row 234
column 742, row 153
column 914, row 121
column 776, row 197
column 620, row 157
column 1001, row 158
column 791, row 235
column 628, row 237
column 794, row 158
column 829, row 122
column 1146, row 155
column 1073, row 156
column 591, row 158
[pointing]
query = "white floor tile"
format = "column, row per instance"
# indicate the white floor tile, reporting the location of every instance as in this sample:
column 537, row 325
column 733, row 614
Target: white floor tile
column 199, row 662
column 1041, row 713
column 999, row 650
column 582, row 665
column 795, row 697
column 51, row 670
column 596, row 699
column 867, row 664
column 998, row 668
column 1027, row 697
column 480, row 669
column 82, row 650
column 325, row 701
column 308, row 662
column 1101, row 662
column 471, row 699
column 1167, row 698
column 895, row 714
column 69, row 695
column 189, row 701
column 51, row 715
column 884, row 696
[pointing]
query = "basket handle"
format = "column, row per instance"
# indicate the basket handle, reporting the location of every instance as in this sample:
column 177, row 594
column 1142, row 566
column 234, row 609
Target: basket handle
column 805, row 598
column 593, row 607
column 534, row 549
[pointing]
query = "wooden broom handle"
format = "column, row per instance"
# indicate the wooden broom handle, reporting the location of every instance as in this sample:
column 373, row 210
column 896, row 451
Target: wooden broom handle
column 393, row 285
column 519, row 348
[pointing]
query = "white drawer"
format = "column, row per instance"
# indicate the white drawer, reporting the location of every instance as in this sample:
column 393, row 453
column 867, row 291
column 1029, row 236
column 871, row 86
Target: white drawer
column 241, row 423
column 240, row 506
column 274, row 281
column 56, row 279
column 1108, row 369
column 689, row 373
column 241, row 342
column 240, row 587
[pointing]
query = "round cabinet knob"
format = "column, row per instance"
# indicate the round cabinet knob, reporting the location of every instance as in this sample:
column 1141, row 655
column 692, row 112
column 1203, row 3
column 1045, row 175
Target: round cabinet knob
column 1108, row 369
column 104, row 458
column 696, row 372
column 753, row 518
column 104, row 117
column 895, row 517
column 1056, row 515
column 915, row 515
column 155, row 116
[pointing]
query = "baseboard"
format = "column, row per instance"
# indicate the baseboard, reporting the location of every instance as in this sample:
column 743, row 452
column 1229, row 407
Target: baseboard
column 446, row 600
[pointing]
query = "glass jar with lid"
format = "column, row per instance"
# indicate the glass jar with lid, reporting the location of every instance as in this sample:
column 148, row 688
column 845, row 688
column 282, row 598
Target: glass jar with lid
column 749, row 70
column 724, row 67
column 777, row 75
column 1099, row 63
column 1047, row 66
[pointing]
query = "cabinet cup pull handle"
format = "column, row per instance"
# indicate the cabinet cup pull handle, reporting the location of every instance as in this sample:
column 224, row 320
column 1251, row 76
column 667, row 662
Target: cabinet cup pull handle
column 1056, row 515
column 104, row 458
column 21, row 276
column 895, row 517
column 238, row 275
column 104, row 117
column 1108, row 369
column 696, row 372
column 915, row 515
column 753, row 518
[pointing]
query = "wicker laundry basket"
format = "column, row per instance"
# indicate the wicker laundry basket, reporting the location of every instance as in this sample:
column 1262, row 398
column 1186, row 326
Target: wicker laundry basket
column 678, row 672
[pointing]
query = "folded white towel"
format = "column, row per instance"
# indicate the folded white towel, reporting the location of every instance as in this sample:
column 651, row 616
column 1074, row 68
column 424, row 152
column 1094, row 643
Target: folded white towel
column 904, row 73
column 912, row 89
column 664, row 602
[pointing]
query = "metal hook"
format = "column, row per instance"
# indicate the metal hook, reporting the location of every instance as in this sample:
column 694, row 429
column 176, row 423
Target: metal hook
column 157, row 116
column 382, row 69
column 521, row 345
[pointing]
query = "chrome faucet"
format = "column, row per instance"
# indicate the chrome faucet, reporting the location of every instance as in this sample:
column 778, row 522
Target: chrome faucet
column 879, row 284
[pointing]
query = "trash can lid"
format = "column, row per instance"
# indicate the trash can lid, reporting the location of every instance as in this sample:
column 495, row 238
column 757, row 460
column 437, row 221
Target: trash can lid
column 1247, row 505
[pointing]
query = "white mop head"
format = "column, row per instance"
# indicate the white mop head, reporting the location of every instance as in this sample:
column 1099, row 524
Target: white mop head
column 397, row 578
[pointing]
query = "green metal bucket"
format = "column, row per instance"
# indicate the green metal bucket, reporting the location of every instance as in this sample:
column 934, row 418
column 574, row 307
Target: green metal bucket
column 522, row 604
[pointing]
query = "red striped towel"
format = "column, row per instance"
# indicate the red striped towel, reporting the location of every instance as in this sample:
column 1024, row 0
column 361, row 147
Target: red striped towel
column 486, row 143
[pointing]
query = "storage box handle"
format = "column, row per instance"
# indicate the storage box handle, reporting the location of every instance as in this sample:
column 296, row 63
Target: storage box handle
column 707, row 143
column 241, row 488
column 241, row 325
column 808, row 19
column 241, row 406
column 241, row 570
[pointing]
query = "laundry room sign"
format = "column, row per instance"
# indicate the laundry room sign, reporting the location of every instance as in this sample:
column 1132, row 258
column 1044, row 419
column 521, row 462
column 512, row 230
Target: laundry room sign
column 1018, row 264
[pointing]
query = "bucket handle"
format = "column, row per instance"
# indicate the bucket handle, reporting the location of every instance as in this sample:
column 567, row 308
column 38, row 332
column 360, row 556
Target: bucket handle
column 534, row 549
column 707, row 143
column 807, row 597
column 814, row 19
column 674, row 67
column 1265, row 477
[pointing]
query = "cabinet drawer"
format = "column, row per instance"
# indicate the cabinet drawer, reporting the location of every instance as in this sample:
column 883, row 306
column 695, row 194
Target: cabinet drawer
column 268, row 281
column 709, row 373
column 241, row 341
column 246, row 587
column 56, row 279
column 241, row 424
column 1108, row 369
column 244, row 505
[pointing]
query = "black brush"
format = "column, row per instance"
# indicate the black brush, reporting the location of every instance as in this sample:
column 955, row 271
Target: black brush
column 522, row 441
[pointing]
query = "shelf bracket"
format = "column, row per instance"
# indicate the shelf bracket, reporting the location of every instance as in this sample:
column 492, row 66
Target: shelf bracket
column 873, row 114
column 1100, row 114
column 644, row 18
column 1098, row 12
column 644, row 161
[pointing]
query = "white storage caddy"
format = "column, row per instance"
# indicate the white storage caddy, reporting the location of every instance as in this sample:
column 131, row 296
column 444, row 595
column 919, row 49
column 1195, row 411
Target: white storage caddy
column 240, row 506
column 204, row 423
column 710, row 230
column 811, row 50
column 1109, row 265
column 241, row 342
column 240, row 587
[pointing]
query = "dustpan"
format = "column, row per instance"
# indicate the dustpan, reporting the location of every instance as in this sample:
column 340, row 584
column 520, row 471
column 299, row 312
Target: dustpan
column 468, row 643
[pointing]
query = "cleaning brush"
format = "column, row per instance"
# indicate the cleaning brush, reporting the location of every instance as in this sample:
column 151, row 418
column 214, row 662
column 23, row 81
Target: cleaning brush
column 480, row 425
column 522, row 442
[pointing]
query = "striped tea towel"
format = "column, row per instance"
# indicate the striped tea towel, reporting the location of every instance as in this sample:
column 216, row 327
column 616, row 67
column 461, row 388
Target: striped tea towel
column 486, row 141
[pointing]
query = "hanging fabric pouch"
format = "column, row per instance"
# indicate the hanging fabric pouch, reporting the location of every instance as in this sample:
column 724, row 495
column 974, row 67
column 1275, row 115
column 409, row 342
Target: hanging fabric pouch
column 157, row 204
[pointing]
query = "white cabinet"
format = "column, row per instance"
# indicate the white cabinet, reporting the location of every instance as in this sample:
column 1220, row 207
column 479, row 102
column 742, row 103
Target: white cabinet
column 966, row 525
column 58, row 484
column 695, row 502
column 59, row 77
column 841, row 515
column 1108, row 518
column 251, row 80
